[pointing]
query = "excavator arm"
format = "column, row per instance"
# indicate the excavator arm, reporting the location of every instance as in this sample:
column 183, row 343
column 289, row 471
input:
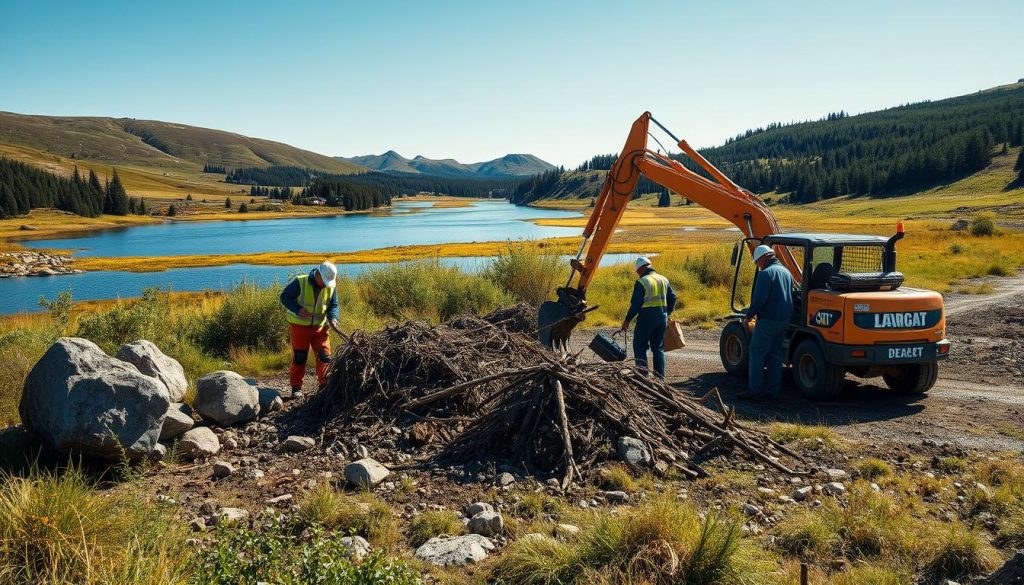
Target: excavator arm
column 720, row 195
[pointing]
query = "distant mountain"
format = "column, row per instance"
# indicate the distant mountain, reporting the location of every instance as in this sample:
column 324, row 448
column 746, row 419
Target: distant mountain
column 150, row 143
column 510, row 165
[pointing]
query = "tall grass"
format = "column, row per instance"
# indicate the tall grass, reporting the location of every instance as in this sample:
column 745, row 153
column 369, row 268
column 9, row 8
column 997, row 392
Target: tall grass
column 426, row 290
column 660, row 542
column 251, row 318
column 527, row 273
column 57, row 528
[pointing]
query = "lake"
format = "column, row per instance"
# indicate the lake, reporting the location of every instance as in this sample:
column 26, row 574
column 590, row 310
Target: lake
column 408, row 223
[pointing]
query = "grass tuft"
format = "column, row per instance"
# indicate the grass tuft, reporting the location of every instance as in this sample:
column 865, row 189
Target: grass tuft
column 958, row 552
column 872, row 469
column 616, row 477
column 364, row 515
column 434, row 523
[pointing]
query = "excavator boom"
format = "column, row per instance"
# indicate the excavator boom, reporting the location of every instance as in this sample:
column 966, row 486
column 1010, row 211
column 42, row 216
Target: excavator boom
column 719, row 195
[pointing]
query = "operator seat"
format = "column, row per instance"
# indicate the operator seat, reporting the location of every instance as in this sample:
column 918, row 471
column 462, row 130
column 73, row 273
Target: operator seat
column 819, row 278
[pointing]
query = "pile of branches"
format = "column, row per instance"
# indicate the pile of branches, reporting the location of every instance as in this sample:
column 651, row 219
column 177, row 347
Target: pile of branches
column 374, row 372
column 558, row 416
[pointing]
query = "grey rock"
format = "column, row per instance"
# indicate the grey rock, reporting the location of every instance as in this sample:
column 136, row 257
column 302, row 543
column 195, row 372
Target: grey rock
column 486, row 524
column 365, row 473
column 159, row 452
column 801, row 494
column 751, row 510
column 226, row 398
column 282, row 499
column 566, row 530
column 296, row 444
column 356, row 547
column 198, row 442
column 478, row 507
column 222, row 469
column 152, row 362
column 633, row 451
column 227, row 516
column 177, row 421
column 197, row 524
column 506, row 478
column 451, row 551
column 836, row 474
column 616, row 497
column 270, row 400
column 208, row 507
column 77, row 398
column 834, row 488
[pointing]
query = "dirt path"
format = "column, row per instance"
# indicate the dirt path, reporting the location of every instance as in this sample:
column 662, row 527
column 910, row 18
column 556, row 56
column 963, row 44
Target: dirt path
column 978, row 402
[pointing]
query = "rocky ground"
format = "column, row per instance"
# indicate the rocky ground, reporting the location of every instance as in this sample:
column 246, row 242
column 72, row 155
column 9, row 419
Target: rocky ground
column 34, row 264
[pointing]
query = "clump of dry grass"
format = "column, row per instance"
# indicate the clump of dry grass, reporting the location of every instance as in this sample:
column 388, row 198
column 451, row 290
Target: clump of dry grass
column 58, row 528
column 434, row 523
column 363, row 514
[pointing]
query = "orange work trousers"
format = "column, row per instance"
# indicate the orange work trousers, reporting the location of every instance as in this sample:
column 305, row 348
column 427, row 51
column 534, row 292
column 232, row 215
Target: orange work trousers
column 304, row 337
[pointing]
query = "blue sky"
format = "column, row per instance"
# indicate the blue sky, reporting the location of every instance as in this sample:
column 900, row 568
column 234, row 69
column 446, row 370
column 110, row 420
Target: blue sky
column 475, row 80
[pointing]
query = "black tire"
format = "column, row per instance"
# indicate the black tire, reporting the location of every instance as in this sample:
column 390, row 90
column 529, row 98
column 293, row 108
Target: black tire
column 814, row 377
column 912, row 378
column 734, row 349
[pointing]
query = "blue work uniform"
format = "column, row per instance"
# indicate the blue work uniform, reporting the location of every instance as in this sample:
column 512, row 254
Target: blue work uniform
column 653, row 300
column 771, row 302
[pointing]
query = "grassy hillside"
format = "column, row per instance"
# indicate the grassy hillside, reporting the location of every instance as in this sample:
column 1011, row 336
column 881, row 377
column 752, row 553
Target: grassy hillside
column 949, row 152
column 510, row 165
column 155, row 159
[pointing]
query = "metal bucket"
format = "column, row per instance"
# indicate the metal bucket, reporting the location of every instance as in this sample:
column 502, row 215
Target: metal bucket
column 607, row 349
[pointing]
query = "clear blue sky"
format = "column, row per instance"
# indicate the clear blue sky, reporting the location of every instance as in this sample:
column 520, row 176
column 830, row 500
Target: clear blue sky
column 475, row 80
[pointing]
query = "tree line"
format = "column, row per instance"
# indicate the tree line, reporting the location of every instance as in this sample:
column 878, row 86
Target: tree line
column 338, row 192
column 274, row 176
column 208, row 168
column 282, row 193
column 24, row 187
column 889, row 152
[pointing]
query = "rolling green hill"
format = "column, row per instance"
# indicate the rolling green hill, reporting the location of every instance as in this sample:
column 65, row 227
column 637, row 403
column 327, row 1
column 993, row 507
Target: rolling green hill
column 914, row 148
column 149, row 143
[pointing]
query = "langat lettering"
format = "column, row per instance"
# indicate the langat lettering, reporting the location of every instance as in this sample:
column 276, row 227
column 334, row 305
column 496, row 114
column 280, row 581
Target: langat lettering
column 898, row 320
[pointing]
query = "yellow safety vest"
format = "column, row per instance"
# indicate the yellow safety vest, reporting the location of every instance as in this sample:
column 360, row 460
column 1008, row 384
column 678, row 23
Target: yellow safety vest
column 655, row 290
column 316, row 306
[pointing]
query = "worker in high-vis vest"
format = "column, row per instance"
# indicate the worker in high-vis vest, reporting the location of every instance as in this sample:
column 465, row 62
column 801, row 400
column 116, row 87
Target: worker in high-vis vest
column 312, row 303
column 653, row 300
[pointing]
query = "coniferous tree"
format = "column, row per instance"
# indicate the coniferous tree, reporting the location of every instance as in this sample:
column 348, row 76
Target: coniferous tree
column 172, row 211
column 227, row 203
column 116, row 201
column 243, row 208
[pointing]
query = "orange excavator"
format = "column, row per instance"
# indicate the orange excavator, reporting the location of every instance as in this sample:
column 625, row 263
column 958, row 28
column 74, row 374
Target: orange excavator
column 851, row 312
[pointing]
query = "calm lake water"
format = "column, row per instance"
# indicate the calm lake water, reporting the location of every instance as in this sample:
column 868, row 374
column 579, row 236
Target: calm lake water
column 408, row 223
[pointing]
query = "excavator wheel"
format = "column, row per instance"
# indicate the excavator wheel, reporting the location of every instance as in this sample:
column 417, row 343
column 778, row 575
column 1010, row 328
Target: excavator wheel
column 912, row 378
column 734, row 349
column 814, row 377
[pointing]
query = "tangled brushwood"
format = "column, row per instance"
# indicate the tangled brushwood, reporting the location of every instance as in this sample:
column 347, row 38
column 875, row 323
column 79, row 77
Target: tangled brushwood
column 474, row 391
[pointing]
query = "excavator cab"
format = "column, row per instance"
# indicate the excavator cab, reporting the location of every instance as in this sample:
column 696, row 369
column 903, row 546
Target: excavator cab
column 851, row 315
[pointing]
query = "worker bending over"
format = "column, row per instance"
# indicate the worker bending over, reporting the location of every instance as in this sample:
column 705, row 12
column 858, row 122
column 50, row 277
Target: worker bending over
column 653, row 300
column 312, row 303
column 771, row 302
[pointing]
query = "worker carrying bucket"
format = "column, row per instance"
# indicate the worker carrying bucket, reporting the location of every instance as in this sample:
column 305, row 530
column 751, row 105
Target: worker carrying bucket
column 653, row 300
column 312, row 304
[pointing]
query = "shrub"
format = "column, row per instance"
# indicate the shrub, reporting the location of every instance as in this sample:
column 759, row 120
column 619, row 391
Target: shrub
column 57, row 528
column 271, row 553
column 527, row 274
column 535, row 504
column 434, row 523
column 145, row 318
column 251, row 317
column 984, row 224
column 950, row 465
column 956, row 248
column 712, row 268
column 998, row 269
column 426, row 290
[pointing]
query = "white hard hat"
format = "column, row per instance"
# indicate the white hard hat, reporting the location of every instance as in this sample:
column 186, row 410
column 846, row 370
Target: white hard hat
column 328, row 272
column 642, row 261
column 761, row 251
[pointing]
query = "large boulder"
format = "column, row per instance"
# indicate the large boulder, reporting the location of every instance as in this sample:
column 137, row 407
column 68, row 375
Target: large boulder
column 77, row 398
column 226, row 398
column 449, row 551
column 365, row 473
column 151, row 361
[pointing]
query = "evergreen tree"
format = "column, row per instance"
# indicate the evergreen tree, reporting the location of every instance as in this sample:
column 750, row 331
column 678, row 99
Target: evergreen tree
column 188, row 197
column 116, row 201
column 227, row 203
column 142, row 207
column 243, row 208
column 1019, row 165
column 664, row 199
column 172, row 211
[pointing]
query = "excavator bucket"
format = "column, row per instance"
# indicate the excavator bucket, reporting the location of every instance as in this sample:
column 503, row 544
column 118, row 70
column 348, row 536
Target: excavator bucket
column 552, row 318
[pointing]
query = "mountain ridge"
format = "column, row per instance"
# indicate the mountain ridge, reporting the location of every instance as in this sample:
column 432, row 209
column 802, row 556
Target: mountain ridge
column 510, row 165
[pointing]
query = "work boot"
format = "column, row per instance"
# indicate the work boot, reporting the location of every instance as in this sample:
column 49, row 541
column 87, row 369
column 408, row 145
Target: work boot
column 296, row 392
